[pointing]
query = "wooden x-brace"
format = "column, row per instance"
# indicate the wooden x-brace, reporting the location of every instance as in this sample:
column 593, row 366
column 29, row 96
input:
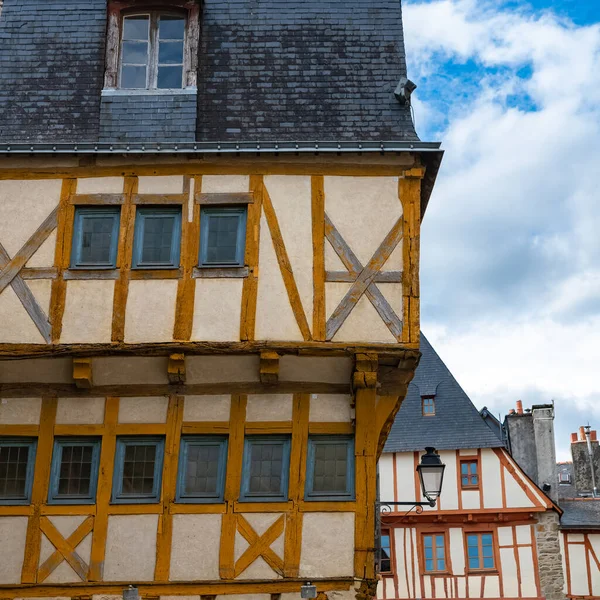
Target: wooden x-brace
column 364, row 279
column 9, row 274
column 65, row 549
column 259, row 545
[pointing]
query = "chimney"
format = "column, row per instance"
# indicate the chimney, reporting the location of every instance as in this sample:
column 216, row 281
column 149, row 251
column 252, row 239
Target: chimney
column 543, row 430
column 573, row 438
column 582, row 434
column 521, row 440
column 585, row 454
column 519, row 407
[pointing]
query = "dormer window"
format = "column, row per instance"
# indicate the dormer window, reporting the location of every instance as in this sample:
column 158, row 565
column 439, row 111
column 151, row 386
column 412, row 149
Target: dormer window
column 428, row 406
column 564, row 478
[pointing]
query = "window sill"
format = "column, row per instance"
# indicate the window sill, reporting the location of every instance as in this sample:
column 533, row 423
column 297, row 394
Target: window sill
column 482, row 572
column 220, row 272
column 160, row 273
column 189, row 91
column 329, row 498
column 256, row 506
column 87, row 273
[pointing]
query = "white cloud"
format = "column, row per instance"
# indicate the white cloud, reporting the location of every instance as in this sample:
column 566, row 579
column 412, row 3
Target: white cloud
column 511, row 244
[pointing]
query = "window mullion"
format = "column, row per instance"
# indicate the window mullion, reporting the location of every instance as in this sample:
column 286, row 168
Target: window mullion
column 153, row 66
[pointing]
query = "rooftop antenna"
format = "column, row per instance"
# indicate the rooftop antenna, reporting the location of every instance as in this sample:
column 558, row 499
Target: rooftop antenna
column 590, row 450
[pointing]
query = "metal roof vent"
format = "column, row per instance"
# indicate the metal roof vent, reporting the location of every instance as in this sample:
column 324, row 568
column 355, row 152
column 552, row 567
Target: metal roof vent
column 404, row 90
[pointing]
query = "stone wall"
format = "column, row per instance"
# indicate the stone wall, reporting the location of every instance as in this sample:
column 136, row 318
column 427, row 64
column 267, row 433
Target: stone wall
column 550, row 563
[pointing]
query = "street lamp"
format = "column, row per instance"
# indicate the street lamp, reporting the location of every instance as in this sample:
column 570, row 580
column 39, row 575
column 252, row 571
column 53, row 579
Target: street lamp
column 431, row 474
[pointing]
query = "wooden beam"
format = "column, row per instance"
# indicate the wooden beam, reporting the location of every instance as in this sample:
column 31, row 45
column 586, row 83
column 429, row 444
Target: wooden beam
column 318, row 242
column 176, row 199
column 38, row 273
column 226, row 198
column 97, row 199
column 221, row 273
column 269, row 367
column 347, row 277
column 365, row 370
column 176, row 368
column 82, row 372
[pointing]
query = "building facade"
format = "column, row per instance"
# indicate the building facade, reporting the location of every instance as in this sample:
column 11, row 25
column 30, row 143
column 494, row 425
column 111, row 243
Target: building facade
column 209, row 293
column 487, row 535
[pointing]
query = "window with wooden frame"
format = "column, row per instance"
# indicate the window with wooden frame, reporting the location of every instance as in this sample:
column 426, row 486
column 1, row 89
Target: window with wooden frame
column 202, row 464
column 564, row 478
column 95, row 237
column 330, row 468
column 152, row 46
column 469, row 474
column 17, row 461
column 138, row 470
column 428, row 406
column 265, row 469
column 480, row 551
column 385, row 552
column 74, row 472
column 434, row 552
column 157, row 237
column 222, row 236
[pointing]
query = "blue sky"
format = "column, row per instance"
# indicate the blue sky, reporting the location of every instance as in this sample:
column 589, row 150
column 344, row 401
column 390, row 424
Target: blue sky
column 510, row 249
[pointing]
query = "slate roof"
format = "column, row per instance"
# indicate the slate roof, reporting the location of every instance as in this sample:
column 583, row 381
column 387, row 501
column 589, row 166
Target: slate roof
column 580, row 514
column 456, row 424
column 269, row 70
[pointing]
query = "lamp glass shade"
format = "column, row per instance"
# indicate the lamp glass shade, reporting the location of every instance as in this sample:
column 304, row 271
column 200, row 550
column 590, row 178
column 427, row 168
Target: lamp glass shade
column 431, row 474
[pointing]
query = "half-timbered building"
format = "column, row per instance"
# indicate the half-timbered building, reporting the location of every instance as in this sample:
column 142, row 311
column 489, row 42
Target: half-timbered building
column 486, row 533
column 209, row 292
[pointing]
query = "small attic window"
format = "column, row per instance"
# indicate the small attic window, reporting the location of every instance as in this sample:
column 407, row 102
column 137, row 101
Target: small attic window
column 564, row 478
column 152, row 49
column 428, row 406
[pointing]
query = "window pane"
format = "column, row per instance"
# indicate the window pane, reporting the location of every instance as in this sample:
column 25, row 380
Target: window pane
column 75, row 470
column 222, row 238
column 488, row 563
column 96, row 239
column 171, row 28
column 133, row 77
column 135, row 53
column 170, row 53
column 330, row 467
column 428, row 541
column 135, row 28
column 429, row 565
column 440, row 564
column 266, row 462
column 158, row 239
column 138, row 469
column 170, row 77
column 202, row 468
column 13, row 471
column 473, row 563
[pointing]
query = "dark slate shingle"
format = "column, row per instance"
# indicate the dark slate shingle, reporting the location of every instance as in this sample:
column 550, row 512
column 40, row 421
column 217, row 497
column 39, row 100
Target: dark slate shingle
column 456, row 424
column 580, row 514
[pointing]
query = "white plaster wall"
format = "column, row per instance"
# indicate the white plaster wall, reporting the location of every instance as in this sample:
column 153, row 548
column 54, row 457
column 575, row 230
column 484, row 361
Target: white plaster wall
column 21, row 328
column 491, row 481
column 471, row 499
column 88, row 312
column 579, row 581
column 462, row 587
column 328, row 535
column 214, row 369
column 313, row 368
column 46, row 370
column 269, row 407
column 275, row 319
column 206, row 408
column 100, row 185
column 195, row 547
column 44, row 256
column 504, row 536
column 399, row 549
column 474, row 582
column 163, row 184
column 595, row 543
column 449, row 498
column 150, row 313
column 523, row 534
column 222, row 184
column 130, row 548
column 331, row 407
column 492, row 587
column 405, row 473
column 217, row 310
column 20, row 411
column 23, row 207
column 515, row 496
column 509, row 572
column 457, row 550
column 528, row 587
column 291, row 199
column 150, row 409
column 386, row 477
column 114, row 370
column 12, row 548
column 465, row 452
column 80, row 411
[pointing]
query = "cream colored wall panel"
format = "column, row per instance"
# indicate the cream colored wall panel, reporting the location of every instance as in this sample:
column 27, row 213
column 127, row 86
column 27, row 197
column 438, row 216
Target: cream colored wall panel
column 523, row 534
column 150, row 313
column 274, row 316
column 269, row 407
column 492, row 587
column 363, row 210
column 67, row 524
column 195, row 547
column 399, row 548
column 222, row 184
column 515, row 496
column 291, row 199
column 130, row 548
column 386, row 477
column 505, row 536
column 392, row 292
column 46, row 370
column 163, row 184
column 63, row 574
column 462, row 587
column 363, row 323
column 214, row 369
column 332, row 260
column 491, row 481
column 20, row 411
column 405, row 473
column 88, row 312
column 509, row 572
column 217, row 310
column 44, row 257
column 42, row 290
column 259, row 569
column 457, row 550
column 313, row 368
column 449, row 497
column 474, row 583
column 80, row 411
column 331, row 407
column 438, row 586
column 20, row 328
column 206, row 408
column 576, row 537
column 149, row 409
column 468, row 452
column 595, row 543
column 471, row 499
column 415, row 561
column 24, row 205
column 427, row 587
column 330, row 535
column 394, row 262
column 115, row 370
column 12, row 548
column 100, row 185
column 528, row 587
column 579, row 580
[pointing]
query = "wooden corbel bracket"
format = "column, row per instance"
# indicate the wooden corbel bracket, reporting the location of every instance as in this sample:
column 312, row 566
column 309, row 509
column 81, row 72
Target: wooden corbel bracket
column 365, row 370
column 176, row 368
column 82, row 372
column 269, row 367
